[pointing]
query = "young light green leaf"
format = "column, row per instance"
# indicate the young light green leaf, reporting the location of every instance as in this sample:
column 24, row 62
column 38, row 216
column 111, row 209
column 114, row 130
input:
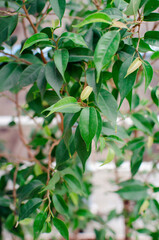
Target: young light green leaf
column 95, row 17
column 86, row 92
column 75, row 38
column 107, row 104
column 81, row 148
column 61, row 227
column 60, row 204
column 148, row 71
column 88, row 124
column 134, row 66
column 110, row 156
column 36, row 38
column 53, row 77
column 61, row 57
column 39, row 223
column 105, row 50
column 133, row 7
column 29, row 207
column 58, row 6
column 65, row 105
column 119, row 24
column 144, row 206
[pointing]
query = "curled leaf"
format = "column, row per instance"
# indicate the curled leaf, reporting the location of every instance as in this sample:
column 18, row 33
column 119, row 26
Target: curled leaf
column 134, row 65
column 86, row 92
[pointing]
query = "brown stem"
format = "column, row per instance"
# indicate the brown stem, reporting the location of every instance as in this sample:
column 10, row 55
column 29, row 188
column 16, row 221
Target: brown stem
column 24, row 28
column 17, row 58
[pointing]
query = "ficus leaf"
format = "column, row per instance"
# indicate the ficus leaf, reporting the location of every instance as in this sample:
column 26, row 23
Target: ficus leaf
column 61, row 57
column 86, row 92
column 58, row 7
column 94, row 17
column 148, row 71
column 61, row 227
column 134, row 66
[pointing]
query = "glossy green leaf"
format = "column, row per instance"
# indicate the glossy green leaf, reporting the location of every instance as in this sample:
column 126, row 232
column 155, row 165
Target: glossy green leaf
column 61, row 227
column 142, row 123
column 115, row 72
column 7, row 26
column 155, row 95
column 61, row 57
column 41, row 81
column 133, row 7
column 106, row 48
column 60, row 204
column 152, row 17
column 39, row 223
column 81, row 148
column 155, row 55
column 73, row 183
column 95, row 17
column 53, row 77
column 29, row 75
column 133, row 192
column 148, row 71
column 36, row 38
column 150, row 6
column 75, row 38
column 152, row 38
column 125, row 84
column 55, row 179
column 28, row 208
column 113, row 13
column 10, row 75
column 99, row 128
column 4, row 202
column 108, row 105
column 88, row 124
column 136, row 160
column 110, row 130
column 80, row 54
column 65, row 105
column 143, row 46
column 58, row 7
column 35, row 7
column 91, row 80
column 120, row 4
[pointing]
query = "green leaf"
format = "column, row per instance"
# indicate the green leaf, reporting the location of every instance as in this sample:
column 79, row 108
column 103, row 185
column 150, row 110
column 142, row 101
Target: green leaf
column 39, row 223
column 95, row 17
column 136, row 160
column 61, row 227
column 133, row 7
column 73, row 183
column 99, row 128
column 41, row 81
column 61, row 57
column 7, row 26
column 106, row 48
column 80, row 54
column 150, row 6
column 35, row 6
column 108, row 105
column 91, row 80
column 75, row 38
column 29, row 75
column 113, row 13
column 55, row 179
column 88, row 124
column 58, row 7
column 60, row 204
column 152, row 38
column 110, row 130
column 142, row 123
column 110, row 156
column 155, row 95
column 125, row 84
column 152, row 17
column 29, row 207
column 154, row 207
column 134, row 66
column 10, row 75
column 4, row 202
column 115, row 72
column 81, row 148
column 120, row 4
column 148, row 71
column 29, row 190
column 65, row 105
column 53, row 77
column 155, row 55
column 36, row 38
column 143, row 46
column 133, row 192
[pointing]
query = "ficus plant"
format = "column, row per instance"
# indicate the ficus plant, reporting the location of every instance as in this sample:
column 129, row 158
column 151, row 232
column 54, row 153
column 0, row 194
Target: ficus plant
column 89, row 70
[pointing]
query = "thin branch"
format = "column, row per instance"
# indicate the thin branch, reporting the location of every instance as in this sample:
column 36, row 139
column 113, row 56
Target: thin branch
column 17, row 58
column 28, row 17
column 43, row 16
column 24, row 28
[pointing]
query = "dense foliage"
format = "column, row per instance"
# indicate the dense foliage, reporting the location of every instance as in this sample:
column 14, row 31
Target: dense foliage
column 81, row 79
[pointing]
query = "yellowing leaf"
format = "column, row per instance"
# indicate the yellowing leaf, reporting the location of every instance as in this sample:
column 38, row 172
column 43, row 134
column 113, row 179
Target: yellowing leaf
column 144, row 206
column 119, row 24
column 110, row 156
column 135, row 65
column 86, row 92
column 149, row 142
